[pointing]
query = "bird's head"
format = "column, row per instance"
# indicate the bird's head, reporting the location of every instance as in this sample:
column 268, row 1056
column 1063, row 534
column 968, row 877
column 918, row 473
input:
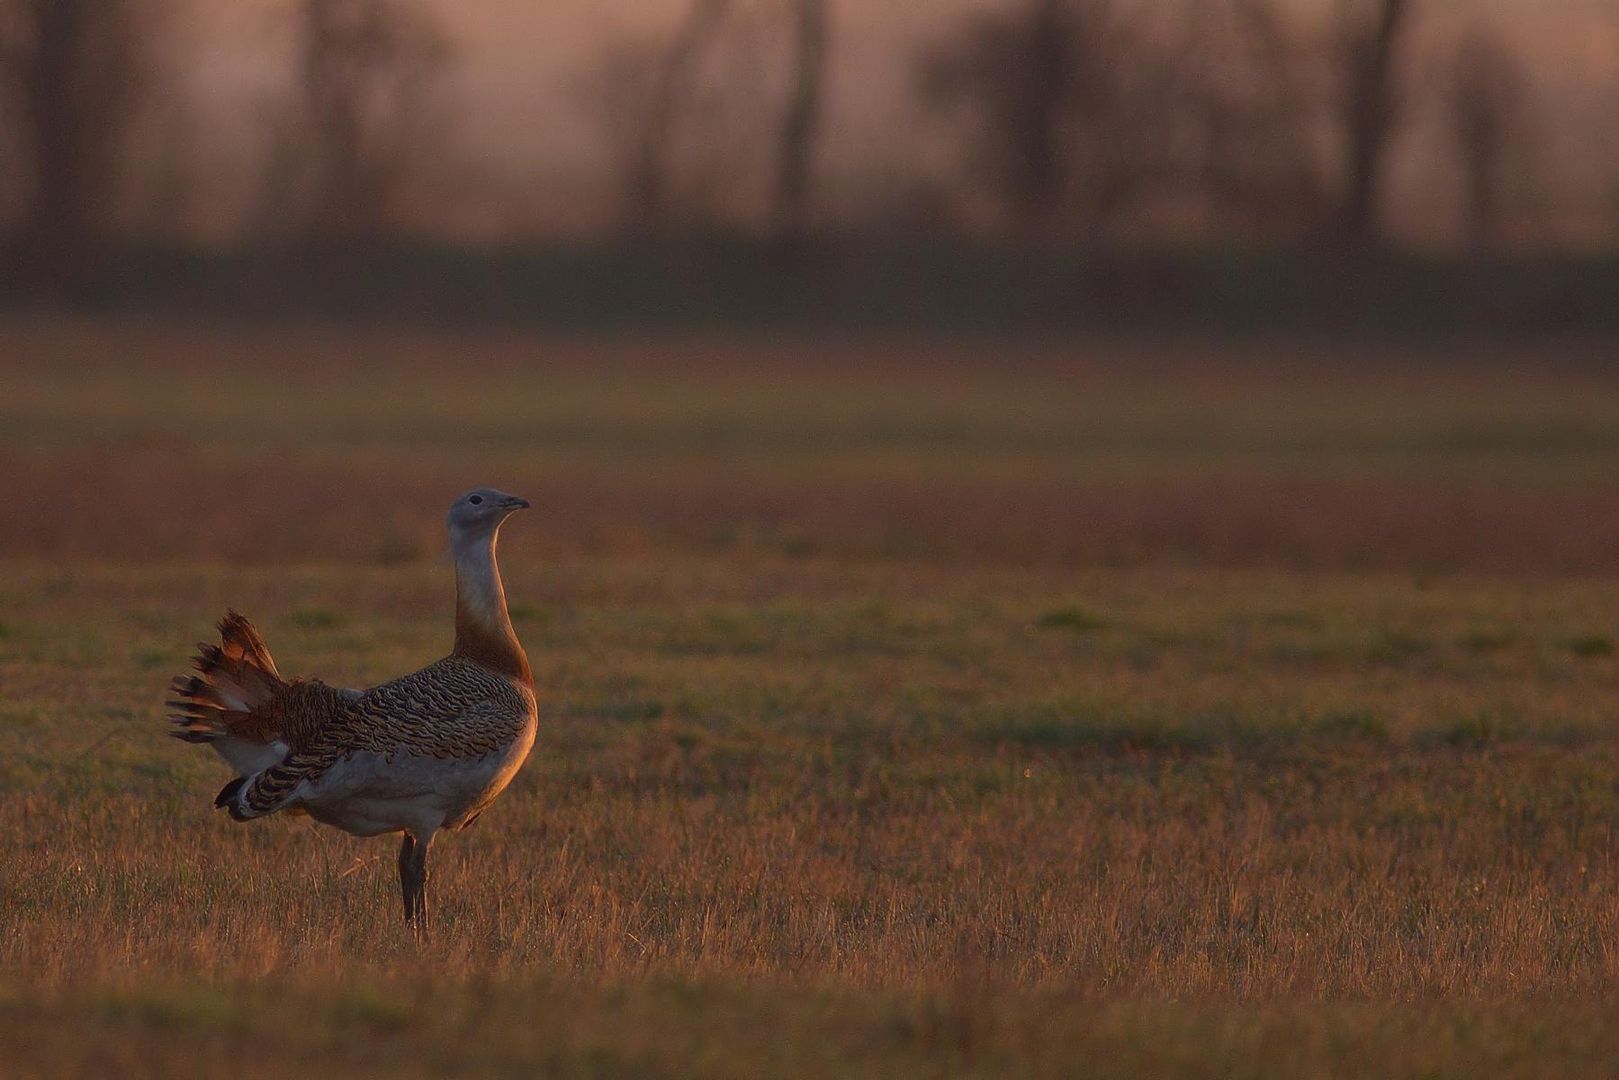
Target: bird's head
column 479, row 512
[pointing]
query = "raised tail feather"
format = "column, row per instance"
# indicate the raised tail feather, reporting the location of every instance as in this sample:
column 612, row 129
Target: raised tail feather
column 236, row 679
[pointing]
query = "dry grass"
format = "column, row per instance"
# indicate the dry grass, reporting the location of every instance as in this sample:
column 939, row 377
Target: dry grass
column 801, row 806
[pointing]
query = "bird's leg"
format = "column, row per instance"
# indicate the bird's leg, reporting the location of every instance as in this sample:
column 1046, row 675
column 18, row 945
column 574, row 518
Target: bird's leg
column 413, row 875
column 421, row 883
column 407, row 849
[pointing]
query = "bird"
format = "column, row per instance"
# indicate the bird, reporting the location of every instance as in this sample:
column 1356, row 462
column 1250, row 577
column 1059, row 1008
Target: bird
column 418, row 755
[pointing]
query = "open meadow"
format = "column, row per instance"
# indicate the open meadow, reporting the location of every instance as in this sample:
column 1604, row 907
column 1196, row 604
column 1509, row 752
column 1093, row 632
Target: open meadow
column 906, row 709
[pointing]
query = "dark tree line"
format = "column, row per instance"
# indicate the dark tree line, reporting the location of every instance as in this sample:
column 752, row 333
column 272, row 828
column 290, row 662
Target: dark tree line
column 1072, row 120
column 1080, row 101
column 75, row 76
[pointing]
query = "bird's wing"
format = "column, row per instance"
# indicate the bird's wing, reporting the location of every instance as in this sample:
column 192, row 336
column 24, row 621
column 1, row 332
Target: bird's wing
column 315, row 722
column 451, row 709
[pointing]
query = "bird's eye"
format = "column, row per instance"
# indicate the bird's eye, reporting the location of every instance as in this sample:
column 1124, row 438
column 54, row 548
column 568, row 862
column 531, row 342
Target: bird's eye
column 475, row 500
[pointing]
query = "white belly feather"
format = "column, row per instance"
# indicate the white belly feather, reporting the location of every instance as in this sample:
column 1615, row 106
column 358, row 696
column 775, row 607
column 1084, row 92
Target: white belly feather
column 369, row 793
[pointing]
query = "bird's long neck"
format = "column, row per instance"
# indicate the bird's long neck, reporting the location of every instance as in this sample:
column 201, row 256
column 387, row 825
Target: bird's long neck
column 483, row 626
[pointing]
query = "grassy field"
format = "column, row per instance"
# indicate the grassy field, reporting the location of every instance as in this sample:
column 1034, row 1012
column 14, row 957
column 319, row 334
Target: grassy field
column 906, row 711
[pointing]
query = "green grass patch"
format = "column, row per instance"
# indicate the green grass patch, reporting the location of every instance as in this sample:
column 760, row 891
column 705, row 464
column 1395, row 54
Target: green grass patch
column 1484, row 728
column 1592, row 646
column 529, row 614
column 1073, row 618
column 1355, row 724
column 1487, row 642
column 317, row 619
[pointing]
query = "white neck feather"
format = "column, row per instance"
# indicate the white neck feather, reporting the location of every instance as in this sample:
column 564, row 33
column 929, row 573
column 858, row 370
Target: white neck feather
column 478, row 580
column 478, row 587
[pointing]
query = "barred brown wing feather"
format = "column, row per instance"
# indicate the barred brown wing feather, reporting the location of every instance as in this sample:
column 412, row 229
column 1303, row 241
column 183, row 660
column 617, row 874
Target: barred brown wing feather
column 451, row 709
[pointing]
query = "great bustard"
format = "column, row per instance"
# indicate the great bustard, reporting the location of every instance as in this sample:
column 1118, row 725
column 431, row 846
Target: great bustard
column 426, row 752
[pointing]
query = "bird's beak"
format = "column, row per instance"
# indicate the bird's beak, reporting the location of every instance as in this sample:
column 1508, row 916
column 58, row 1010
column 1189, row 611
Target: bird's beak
column 514, row 503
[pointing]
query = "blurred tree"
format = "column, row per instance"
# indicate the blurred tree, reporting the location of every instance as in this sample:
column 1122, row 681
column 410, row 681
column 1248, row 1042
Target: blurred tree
column 1025, row 78
column 802, row 123
column 1371, row 37
column 74, row 74
column 654, row 120
column 1488, row 113
column 692, row 120
column 1256, row 109
column 369, row 76
column 1069, row 112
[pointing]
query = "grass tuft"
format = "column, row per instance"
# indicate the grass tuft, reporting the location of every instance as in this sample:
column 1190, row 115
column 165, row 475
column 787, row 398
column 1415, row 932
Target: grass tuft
column 1487, row 642
column 1354, row 724
column 1592, row 646
column 317, row 619
column 530, row 614
column 1483, row 729
column 395, row 548
column 1071, row 617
